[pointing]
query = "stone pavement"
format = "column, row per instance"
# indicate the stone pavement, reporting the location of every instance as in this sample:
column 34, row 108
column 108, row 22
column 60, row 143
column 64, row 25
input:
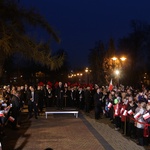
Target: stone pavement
column 65, row 132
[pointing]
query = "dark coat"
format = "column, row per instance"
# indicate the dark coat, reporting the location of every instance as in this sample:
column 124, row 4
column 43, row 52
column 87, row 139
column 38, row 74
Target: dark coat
column 59, row 92
column 87, row 96
column 36, row 97
column 98, row 99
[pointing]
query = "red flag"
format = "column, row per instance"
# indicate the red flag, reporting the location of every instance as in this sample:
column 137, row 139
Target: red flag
column 110, row 85
column 109, row 105
column 125, row 113
column 130, row 112
column 146, row 116
column 137, row 115
column 1, row 114
column 11, row 119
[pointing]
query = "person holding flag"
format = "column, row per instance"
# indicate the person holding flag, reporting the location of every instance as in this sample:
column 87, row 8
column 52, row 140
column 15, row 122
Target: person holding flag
column 140, row 122
column 131, row 129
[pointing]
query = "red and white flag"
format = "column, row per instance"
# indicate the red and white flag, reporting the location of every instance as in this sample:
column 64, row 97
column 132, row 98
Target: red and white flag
column 11, row 119
column 116, row 112
column 109, row 105
column 125, row 113
column 130, row 112
column 110, row 86
column 137, row 115
column 146, row 116
column 122, row 110
column 1, row 114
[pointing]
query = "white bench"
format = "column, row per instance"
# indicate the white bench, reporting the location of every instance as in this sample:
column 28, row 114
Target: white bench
column 75, row 112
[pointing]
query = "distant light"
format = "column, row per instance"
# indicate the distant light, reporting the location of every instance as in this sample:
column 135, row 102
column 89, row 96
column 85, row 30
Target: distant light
column 117, row 72
column 86, row 69
column 114, row 58
column 123, row 58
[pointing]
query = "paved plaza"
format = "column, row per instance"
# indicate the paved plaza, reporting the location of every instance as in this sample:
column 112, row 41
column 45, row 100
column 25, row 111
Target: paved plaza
column 65, row 132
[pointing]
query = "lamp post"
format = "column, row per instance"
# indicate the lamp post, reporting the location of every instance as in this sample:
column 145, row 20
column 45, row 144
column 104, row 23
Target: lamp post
column 120, row 60
column 117, row 73
column 87, row 71
column 87, row 78
column 75, row 77
column 118, row 64
column 79, row 75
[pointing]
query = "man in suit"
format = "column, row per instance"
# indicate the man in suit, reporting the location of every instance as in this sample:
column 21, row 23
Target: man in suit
column 33, row 99
column 87, row 96
column 15, row 107
column 81, row 98
column 59, row 95
column 98, row 103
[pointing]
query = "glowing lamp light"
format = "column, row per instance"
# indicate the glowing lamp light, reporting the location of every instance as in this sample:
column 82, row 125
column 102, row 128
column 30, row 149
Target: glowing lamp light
column 87, row 69
column 114, row 58
column 117, row 72
column 123, row 58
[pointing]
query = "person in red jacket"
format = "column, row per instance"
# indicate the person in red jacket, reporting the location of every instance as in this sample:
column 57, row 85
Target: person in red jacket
column 124, row 105
column 117, row 108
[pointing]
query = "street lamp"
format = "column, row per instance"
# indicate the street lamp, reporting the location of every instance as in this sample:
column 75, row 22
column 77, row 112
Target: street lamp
column 86, row 69
column 118, row 64
column 117, row 72
column 114, row 58
column 118, row 61
column 123, row 58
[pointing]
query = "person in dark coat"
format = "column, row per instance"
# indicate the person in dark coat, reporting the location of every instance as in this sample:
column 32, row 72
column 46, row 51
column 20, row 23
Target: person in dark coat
column 98, row 103
column 74, row 95
column 81, row 98
column 41, row 95
column 66, row 97
column 49, row 97
column 15, row 107
column 87, row 95
column 33, row 99
column 59, row 95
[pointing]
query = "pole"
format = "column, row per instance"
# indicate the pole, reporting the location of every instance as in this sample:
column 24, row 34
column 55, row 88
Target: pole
column 125, row 126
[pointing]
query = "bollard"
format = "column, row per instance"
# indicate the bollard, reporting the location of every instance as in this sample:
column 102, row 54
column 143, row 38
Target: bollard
column 125, row 125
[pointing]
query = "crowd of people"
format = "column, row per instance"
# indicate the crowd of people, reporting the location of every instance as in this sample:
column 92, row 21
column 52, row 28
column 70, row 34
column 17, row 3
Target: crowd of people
column 127, row 108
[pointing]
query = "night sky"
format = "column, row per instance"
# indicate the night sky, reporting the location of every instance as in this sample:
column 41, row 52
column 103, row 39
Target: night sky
column 80, row 23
